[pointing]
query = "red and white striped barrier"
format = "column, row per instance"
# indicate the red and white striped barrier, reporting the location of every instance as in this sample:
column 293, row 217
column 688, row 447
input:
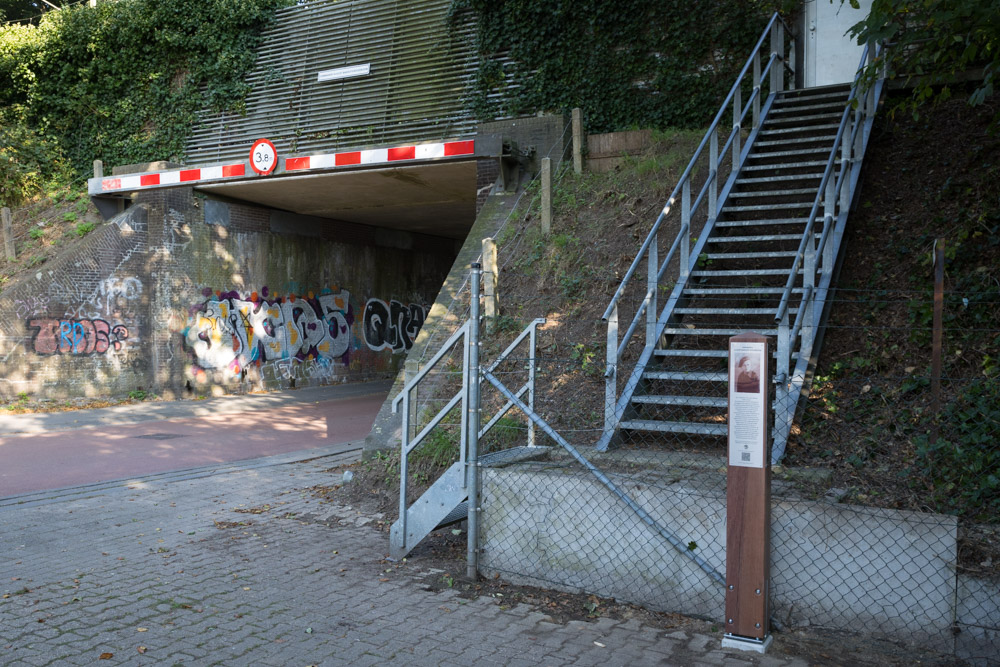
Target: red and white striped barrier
column 197, row 175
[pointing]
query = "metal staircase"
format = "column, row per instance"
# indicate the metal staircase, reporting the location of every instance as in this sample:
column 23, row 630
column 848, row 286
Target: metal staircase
column 772, row 211
column 448, row 498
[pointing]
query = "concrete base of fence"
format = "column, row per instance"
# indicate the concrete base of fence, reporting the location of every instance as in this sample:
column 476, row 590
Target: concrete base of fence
column 833, row 565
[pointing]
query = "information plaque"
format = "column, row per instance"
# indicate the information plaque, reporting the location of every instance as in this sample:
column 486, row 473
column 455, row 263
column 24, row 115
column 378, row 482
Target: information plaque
column 748, row 496
column 747, row 403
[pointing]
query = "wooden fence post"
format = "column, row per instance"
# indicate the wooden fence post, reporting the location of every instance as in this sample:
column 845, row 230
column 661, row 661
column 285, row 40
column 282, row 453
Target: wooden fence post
column 8, row 234
column 490, row 275
column 546, row 196
column 577, row 116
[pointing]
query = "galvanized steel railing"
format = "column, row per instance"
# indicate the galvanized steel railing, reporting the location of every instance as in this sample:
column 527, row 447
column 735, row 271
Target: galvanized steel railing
column 773, row 74
column 466, row 397
column 817, row 259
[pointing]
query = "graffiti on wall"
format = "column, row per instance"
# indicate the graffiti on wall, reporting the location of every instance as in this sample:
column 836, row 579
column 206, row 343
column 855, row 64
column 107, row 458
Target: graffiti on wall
column 392, row 325
column 231, row 332
column 77, row 337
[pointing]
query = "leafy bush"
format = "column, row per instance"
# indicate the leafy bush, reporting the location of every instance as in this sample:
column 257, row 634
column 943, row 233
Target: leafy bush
column 964, row 463
column 28, row 159
column 124, row 81
column 633, row 63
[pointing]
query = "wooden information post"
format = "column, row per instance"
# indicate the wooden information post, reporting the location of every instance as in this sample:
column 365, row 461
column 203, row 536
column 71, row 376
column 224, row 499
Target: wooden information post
column 748, row 496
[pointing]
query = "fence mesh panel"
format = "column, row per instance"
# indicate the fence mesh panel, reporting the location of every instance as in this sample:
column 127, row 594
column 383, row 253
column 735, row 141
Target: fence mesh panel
column 885, row 509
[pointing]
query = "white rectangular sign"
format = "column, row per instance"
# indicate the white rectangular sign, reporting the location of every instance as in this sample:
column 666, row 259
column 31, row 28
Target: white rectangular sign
column 349, row 72
column 747, row 400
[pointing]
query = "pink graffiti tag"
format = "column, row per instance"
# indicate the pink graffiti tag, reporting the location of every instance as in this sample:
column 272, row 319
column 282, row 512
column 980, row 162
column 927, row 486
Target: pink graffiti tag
column 82, row 337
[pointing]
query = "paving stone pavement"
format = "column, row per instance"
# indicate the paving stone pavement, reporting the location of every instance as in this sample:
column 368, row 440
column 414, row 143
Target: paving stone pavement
column 239, row 565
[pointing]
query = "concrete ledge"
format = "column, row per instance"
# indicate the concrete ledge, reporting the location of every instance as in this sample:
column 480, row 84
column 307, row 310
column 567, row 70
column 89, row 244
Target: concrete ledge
column 837, row 566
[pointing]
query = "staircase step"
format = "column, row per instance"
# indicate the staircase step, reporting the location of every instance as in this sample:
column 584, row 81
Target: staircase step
column 681, row 331
column 829, row 138
column 774, row 193
column 676, row 427
column 751, row 255
column 735, row 273
column 791, row 130
column 801, row 151
column 797, row 108
column 693, row 401
column 726, row 291
column 833, row 115
column 787, row 165
column 460, row 513
column 762, row 223
column 757, row 239
column 424, row 515
column 686, row 376
column 678, row 352
column 724, row 311
column 773, row 179
column 512, row 455
column 770, row 207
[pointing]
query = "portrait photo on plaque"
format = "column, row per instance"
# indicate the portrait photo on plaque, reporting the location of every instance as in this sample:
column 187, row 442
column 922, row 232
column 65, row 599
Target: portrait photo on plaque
column 748, row 373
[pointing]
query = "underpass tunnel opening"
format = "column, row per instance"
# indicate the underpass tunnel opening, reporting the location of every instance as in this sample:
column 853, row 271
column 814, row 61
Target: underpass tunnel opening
column 301, row 280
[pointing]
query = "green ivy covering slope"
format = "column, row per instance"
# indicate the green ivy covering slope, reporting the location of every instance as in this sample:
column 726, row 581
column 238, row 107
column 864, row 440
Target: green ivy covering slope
column 123, row 82
column 627, row 64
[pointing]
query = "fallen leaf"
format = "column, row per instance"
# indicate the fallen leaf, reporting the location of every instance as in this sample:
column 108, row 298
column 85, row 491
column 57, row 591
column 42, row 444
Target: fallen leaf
column 141, row 629
column 599, row 644
column 309, row 631
column 107, row 656
column 141, row 649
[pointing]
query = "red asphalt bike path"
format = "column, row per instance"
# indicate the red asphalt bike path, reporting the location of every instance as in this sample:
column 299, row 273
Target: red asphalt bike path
column 98, row 453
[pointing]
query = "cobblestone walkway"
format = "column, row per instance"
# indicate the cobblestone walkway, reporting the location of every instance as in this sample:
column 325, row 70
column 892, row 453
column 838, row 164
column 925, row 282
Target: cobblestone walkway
column 238, row 566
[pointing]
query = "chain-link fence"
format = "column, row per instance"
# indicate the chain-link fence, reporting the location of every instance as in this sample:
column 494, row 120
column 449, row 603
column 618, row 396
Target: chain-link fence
column 885, row 508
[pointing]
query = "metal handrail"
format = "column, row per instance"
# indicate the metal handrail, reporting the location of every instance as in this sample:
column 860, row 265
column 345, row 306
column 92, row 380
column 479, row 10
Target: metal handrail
column 697, row 154
column 714, row 190
column 415, row 380
column 407, row 444
column 821, row 194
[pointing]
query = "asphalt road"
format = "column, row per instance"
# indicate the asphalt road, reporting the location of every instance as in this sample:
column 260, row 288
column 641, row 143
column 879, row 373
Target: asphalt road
column 43, row 451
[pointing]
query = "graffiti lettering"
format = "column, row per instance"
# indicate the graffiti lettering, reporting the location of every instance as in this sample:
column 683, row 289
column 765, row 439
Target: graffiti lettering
column 82, row 337
column 31, row 306
column 230, row 332
column 392, row 325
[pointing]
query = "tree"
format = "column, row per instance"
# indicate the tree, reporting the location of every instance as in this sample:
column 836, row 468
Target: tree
column 934, row 45
column 16, row 10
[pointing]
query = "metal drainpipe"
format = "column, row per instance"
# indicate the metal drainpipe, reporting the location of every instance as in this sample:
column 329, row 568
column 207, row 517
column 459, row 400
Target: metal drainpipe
column 472, row 457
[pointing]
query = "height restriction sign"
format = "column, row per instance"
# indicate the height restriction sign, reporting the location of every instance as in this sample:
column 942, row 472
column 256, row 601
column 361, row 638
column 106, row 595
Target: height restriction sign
column 263, row 157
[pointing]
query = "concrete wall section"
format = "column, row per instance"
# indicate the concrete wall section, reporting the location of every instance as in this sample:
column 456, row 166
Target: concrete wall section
column 568, row 531
column 182, row 294
column 81, row 326
column 837, row 566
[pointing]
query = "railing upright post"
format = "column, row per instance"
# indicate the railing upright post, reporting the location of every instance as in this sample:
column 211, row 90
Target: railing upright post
column 611, row 373
column 685, row 259
column 713, row 175
column 737, row 111
column 870, row 93
column 532, row 365
column 756, row 90
column 778, row 53
column 791, row 62
column 829, row 218
column 845, row 159
column 782, row 401
column 652, row 276
column 403, row 467
column 472, row 459
column 859, row 140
